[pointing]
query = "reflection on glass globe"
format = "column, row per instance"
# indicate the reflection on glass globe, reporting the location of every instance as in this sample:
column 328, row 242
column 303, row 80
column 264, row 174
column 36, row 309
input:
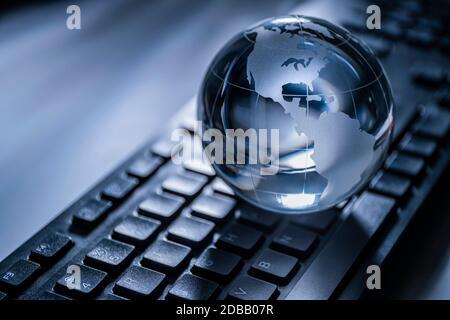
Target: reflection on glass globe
column 320, row 90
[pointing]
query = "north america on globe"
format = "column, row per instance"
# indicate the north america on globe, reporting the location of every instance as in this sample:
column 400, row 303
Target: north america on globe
column 299, row 60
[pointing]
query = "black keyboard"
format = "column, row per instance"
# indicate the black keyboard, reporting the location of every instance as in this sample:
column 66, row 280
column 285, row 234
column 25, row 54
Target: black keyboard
column 153, row 229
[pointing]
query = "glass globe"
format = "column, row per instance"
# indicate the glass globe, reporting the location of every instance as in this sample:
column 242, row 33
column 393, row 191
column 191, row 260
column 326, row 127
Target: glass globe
column 311, row 99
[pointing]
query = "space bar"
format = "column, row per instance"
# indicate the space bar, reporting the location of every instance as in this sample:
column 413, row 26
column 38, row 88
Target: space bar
column 330, row 266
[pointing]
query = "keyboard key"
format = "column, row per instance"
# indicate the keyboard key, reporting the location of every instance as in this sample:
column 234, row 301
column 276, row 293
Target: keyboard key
column 258, row 219
column 212, row 207
column 194, row 158
column 187, row 185
column 143, row 168
column 249, row 288
column 274, row 267
column 240, row 239
column 199, row 165
column 136, row 230
column 91, row 213
column 52, row 296
column 119, row 188
column 19, row 275
column 418, row 146
column 405, row 164
column 191, row 287
column 163, row 207
column 403, row 120
column 426, row 23
column 90, row 284
column 428, row 75
column 51, row 248
column 391, row 184
column 220, row 186
column 109, row 255
column 320, row 221
column 420, row 38
column 444, row 43
column 191, row 231
column 380, row 47
column 356, row 24
column 138, row 282
column 295, row 241
column 166, row 256
column 3, row 296
column 412, row 7
column 344, row 247
column 435, row 125
column 165, row 148
column 443, row 97
column 391, row 30
column 401, row 16
column 217, row 265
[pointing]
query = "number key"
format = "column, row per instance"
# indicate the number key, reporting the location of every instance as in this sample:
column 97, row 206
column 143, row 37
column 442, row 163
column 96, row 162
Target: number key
column 187, row 185
column 119, row 188
column 143, row 168
column 51, row 248
column 80, row 281
column 89, row 214
column 136, row 230
column 19, row 275
column 109, row 255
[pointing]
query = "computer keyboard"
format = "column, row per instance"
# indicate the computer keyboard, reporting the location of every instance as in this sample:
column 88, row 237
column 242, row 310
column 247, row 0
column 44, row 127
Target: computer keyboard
column 155, row 229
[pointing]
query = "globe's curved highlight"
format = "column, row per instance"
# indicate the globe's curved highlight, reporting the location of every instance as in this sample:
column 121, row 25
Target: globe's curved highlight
column 326, row 93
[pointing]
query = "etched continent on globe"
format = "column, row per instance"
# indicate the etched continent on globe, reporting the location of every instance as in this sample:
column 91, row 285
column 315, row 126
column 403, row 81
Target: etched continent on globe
column 289, row 60
column 326, row 93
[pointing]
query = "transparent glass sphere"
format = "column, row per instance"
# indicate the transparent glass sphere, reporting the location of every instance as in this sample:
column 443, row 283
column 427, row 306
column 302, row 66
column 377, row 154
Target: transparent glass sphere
column 319, row 103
